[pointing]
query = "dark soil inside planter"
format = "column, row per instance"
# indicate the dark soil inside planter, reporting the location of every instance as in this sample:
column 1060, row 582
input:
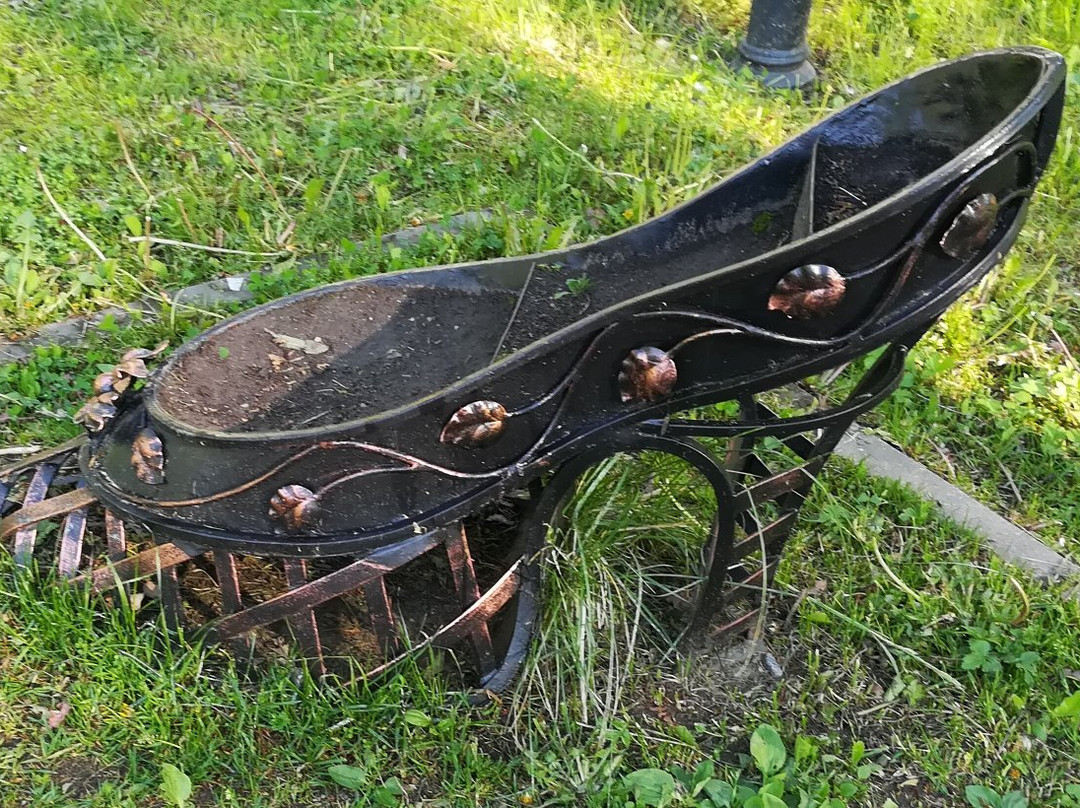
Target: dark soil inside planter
column 385, row 346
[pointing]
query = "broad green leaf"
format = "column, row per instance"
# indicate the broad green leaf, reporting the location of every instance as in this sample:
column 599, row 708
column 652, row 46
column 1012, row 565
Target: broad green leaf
column 804, row 749
column 775, row 787
column 767, row 749
column 349, row 777
column 25, row 222
column 982, row 797
column 389, row 793
column 89, row 278
column 1069, row 708
column 175, row 785
column 312, row 191
column 720, row 793
column 771, row 801
column 867, row 770
column 1014, row 799
column 703, row 773
column 134, row 224
column 653, row 787
column 417, row 718
column 858, row 749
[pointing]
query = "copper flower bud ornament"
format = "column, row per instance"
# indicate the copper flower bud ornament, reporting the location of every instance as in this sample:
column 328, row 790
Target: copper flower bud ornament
column 476, row 424
column 105, row 383
column 648, row 374
column 294, row 505
column 971, row 228
column 132, row 363
column 94, row 414
column 148, row 457
column 808, row 291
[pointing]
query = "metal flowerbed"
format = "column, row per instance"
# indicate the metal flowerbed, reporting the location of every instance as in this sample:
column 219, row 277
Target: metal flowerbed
column 388, row 480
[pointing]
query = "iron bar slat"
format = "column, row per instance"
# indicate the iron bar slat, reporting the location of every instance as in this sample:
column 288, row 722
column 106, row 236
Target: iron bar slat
column 322, row 589
column 8, row 472
column 464, row 572
column 459, row 628
column 771, row 488
column 302, row 621
column 752, row 584
column 6, row 505
column 25, row 537
column 71, row 542
column 127, row 569
column 738, row 624
column 381, row 613
column 51, row 508
column 767, row 536
column 115, row 537
column 172, row 606
column 231, row 600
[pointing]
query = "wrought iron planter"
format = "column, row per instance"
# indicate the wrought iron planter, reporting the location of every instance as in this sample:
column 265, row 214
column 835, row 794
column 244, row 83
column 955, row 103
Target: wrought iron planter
column 336, row 437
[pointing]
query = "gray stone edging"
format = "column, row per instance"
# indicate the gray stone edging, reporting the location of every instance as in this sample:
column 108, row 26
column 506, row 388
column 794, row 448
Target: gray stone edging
column 1008, row 541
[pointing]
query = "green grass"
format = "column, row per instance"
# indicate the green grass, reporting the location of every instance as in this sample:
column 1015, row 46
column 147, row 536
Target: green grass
column 567, row 120
column 870, row 665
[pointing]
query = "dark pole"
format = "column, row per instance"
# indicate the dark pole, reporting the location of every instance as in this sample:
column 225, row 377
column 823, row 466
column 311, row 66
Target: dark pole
column 775, row 46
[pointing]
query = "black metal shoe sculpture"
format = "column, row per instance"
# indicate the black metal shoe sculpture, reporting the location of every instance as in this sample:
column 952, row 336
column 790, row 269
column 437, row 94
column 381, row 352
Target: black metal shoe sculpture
column 342, row 434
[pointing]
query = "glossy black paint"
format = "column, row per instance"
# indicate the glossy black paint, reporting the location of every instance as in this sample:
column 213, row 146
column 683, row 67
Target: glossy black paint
column 870, row 191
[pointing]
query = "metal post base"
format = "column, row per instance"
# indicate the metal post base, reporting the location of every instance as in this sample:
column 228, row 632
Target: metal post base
column 777, row 75
column 775, row 46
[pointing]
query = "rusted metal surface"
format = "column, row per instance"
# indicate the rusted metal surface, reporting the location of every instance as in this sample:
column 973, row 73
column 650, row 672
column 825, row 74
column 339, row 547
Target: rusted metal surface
column 302, row 623
column 129, row 568
column 116, row 536
column 320, row 590
column 53, row 508
column 71, row 542
column 464, row 572
column 35, row 494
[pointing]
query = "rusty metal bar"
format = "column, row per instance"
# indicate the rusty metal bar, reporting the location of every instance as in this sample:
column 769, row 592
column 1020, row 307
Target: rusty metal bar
column 52, row 508
column 71, row 542
column 171, row 605
column 35, row 494
column 771, row 488
column 231, row 599
column 127, row 569
column 767, row 536
column 486, row 607
column 464, row 572
column 740, row 623
column 323, row 589
column 115, row 536
column 8, row 472
column 302, row 623
column 381, row 613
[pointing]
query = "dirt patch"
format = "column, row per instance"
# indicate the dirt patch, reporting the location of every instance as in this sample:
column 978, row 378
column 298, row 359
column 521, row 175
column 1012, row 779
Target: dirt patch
column 80, row 777
column 385, row 346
